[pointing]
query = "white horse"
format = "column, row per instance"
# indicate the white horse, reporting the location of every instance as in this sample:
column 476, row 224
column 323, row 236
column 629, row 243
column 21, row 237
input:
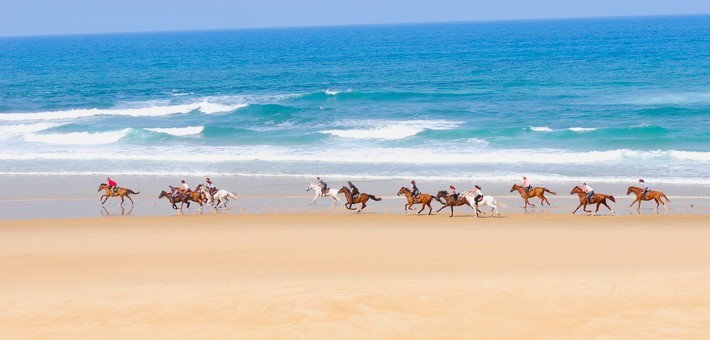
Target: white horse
column 487, row 200
column 221, row 196
column 331, row 193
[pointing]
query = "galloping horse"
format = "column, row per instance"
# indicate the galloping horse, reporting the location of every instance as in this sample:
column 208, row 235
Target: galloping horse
column 651, row 195
column 485, row 200
column 120, row 192
column 538, row 192
column 449, row 201
column 220, row 196
column 331, row 193
column 424, row 199
column 182, row 198
column 597, row 198
column 362, row 198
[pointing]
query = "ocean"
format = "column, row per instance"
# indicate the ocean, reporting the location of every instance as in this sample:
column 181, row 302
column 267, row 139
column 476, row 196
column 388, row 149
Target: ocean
column 608, row 100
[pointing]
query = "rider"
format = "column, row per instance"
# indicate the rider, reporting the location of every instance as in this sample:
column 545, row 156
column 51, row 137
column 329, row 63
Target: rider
column 589, row 191
column 111, row 184
column 527, row 185
column 173, row 191
column 478, row 193
column 355, row 192
column 185, row 186
column 415, row 190
column 454, row 193
column 645, row 188
column 323, row 186
column 210, row 187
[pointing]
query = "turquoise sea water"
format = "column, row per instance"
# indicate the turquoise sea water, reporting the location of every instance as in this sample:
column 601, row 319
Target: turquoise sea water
column 599, row 99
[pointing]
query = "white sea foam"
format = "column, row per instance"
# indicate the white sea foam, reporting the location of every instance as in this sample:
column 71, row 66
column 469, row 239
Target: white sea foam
column 388, row 130
column 540, row 129
column 183, row 131
column 207, row 105
column 581, row 129
column 77, row 138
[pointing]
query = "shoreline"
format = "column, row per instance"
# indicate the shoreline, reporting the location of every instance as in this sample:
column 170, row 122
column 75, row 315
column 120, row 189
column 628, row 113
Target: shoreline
column 63, row 196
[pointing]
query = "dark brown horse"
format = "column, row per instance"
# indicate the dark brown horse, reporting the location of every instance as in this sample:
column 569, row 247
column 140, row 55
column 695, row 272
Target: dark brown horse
column 120, row 192
column 424, row 199
column 596, row 198
column 450, row 202
column 362, row 198
column 182, row 198
column 538, row 192
column 651, row 195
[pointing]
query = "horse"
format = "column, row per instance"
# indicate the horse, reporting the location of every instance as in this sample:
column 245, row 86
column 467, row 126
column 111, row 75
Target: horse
column 596, row 198
column 361, row 198
column 485, row 200
column 538, row 192
column 424, row 199
column 182, row 198
column 120, row 192
column 651, row 195
column 318, row 193
column 221, row 196
column 449, row 201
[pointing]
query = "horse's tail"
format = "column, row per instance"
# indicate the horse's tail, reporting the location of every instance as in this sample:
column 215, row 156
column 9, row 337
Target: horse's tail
column 374, row 198
column 132, row 192
column 611, row 198
column 664, row 196
column 547, row 190
column 231, row 195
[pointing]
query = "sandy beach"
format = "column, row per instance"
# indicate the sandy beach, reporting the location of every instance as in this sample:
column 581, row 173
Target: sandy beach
column 347, row 276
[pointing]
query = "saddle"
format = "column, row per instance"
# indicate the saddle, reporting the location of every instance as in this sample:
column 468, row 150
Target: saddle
column 115, row 189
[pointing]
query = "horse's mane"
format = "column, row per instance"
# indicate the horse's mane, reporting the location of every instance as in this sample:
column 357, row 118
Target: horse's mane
column 443, row 192
column 406, row 189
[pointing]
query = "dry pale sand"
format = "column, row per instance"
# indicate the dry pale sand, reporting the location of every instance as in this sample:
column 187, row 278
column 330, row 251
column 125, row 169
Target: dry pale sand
column 347, row 276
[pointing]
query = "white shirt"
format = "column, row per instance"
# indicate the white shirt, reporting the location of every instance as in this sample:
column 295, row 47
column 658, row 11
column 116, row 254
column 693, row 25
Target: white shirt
column 588, row 188
column 185, row 186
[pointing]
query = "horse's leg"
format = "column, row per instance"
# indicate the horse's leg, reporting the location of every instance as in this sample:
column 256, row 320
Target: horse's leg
column 314, row 199
column 452, row 211
column 422, row 209
column 122, row 199
column 442, row 207
column 575, row 210
column 362, row 207
column 429, row 205
column 542, row 200
column 585, row 207
column 607, row 206
column 657, row 204
column 528, row 203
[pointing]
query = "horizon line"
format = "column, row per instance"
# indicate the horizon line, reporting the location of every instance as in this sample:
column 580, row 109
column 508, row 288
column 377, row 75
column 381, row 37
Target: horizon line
column 355, row 25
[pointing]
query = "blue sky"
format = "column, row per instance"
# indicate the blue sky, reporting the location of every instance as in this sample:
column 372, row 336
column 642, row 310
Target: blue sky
column 42, row 17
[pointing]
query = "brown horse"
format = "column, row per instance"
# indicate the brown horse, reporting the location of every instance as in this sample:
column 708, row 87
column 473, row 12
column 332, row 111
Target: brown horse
column 596, row 198
column 362, row 198
column 182, row 198
column 120, row 192
column 651, row 195
column 449, row 201
column 538, row 192
column 424, row 199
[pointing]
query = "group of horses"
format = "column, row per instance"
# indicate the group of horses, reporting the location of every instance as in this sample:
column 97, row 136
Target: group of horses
column 201, row 195
column 469, row 198
column 219, row 198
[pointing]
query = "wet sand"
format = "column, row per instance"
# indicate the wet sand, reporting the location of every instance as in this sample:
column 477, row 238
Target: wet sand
column 356, row 276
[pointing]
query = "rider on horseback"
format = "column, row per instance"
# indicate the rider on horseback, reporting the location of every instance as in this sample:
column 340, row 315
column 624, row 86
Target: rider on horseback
column 185, row 187
column 355, row 193
column 111, row 184
column 454, row 193
column 323, row 186
column 645, row 188
column 210, row 187
column 173, row 191
column 478, row 193
column 589, row 191
column 527, row 185
column 415, row 190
